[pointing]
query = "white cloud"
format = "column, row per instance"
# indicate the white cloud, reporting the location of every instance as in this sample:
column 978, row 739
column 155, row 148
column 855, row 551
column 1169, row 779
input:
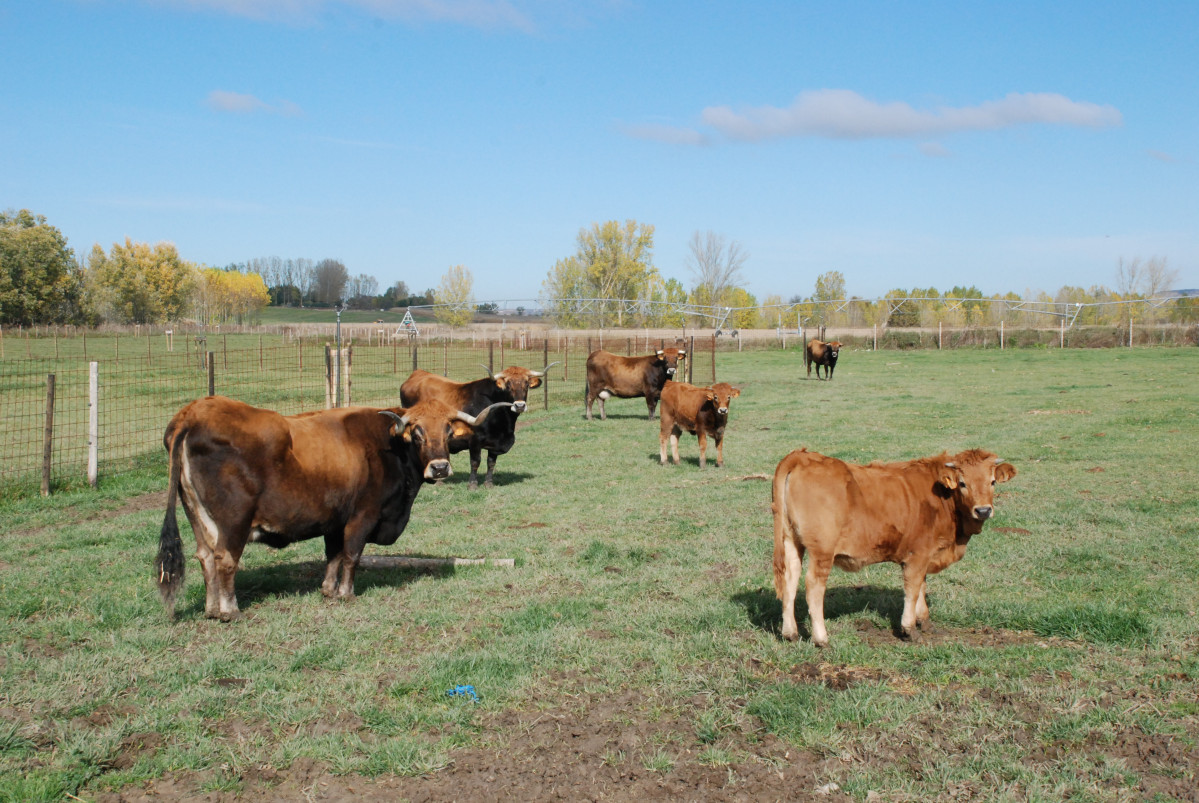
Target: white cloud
column 935, row 150
column 476, row 13
column 238, row 103
column 1161, row 156
column 671, row 135
column 844, row 114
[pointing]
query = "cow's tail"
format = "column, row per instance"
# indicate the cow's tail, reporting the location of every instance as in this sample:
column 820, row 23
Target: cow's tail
column 168, row 566
column 782, row 522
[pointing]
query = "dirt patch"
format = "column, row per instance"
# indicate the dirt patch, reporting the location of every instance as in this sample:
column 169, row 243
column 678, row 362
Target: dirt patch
column 592, row 748
column 137, row 504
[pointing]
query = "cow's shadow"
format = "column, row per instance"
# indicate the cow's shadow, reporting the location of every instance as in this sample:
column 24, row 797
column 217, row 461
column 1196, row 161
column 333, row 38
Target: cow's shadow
column 765, row 611
column 461, row 476
column 686, row 460
column 622, row 417
column 259, row 585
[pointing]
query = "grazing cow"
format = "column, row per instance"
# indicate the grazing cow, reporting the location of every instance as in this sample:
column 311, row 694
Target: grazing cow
column 700, row 411
column 609, row 375
column 819, row 353
column 246, row 474
column 919, row 514
column 498, row 434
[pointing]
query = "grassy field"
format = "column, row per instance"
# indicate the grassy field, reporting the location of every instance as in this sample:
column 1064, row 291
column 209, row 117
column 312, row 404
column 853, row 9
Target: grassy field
column 633, row 650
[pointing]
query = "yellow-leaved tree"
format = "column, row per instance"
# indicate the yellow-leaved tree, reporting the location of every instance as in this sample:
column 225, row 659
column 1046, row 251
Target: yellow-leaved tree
column 140, row 283
column 455, row 297
column 229, row 296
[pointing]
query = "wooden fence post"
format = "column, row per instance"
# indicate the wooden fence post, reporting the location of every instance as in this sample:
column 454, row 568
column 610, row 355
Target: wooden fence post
column 211, row 373
column 48, row 435
column 93, row 422
column 491, row 357
column 328, row 377
column 691, row 361
column 545, row 380
column 713, row 359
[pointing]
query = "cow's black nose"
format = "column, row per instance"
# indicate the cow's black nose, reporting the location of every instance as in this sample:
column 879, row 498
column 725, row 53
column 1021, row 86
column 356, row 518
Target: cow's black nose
column 722, row 410
column 438, row 469
column 983, row 512
column 519, row 407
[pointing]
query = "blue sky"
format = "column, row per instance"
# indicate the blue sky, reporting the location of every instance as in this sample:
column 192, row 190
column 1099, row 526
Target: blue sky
column 1013, row 145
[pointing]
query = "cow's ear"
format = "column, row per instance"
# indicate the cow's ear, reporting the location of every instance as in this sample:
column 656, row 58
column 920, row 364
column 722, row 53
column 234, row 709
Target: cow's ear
column 534, row 382
column 1004, row 472
column 949, row 476
column 711, row 394
column 461, row 429
column 736, row 392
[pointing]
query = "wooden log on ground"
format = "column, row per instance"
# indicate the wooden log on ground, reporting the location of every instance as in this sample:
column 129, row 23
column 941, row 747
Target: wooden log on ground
column 408, row 562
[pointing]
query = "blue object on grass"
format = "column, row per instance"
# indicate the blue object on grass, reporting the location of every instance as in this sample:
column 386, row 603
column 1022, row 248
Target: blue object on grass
column 463, row 691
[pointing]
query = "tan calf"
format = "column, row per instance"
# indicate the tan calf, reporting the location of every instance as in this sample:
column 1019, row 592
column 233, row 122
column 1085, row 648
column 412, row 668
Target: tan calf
column 700, row 411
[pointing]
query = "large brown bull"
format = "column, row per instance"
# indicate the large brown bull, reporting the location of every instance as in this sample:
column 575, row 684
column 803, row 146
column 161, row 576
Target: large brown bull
column 610, row 375
column 920, row 514
column 247, row 474
column 498, row 434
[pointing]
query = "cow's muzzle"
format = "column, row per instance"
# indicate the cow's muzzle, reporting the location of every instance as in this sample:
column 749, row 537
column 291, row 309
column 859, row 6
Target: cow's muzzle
column 983, row 512
column 519, row 407
column 438, row 470
column 670, row 371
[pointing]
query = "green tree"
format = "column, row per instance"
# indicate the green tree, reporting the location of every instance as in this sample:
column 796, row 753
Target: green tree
column 613, row 262
column 40, row 281
column 455, row 297
column 139, row 283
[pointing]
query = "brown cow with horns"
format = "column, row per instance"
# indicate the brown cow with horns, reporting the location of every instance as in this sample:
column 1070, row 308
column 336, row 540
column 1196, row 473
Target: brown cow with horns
column 611, row 375
column 700, row 411
column 920, row 514
column 818, row 353
column 247, row 474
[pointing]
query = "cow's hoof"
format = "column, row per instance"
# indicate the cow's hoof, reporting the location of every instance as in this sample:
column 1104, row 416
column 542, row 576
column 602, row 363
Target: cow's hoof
column 488, row 484
column 230, row 616
column 926, row 627
column 792, row 637
column 821, row 644
column 472, row 486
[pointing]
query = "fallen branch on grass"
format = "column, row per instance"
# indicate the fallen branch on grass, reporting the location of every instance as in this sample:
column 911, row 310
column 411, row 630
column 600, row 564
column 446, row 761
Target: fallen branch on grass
column 408, row 562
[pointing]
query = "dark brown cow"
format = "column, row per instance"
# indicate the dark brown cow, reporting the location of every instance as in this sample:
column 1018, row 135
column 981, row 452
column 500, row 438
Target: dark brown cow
column 247, row 474
column 919, row 514
column 498, row 434
column 700, row 411
column 819, row 353
column 610, row 375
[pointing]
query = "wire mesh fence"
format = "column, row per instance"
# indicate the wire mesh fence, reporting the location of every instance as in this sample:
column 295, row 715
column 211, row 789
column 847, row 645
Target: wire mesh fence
column 59, row 427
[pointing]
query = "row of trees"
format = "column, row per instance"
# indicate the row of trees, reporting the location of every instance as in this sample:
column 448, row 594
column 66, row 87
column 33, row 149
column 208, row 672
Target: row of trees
column 610, row 280
column 42, row 281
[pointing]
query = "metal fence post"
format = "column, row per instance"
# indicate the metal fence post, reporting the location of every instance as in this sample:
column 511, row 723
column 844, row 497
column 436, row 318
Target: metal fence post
column 48, row 435
column 93, row 422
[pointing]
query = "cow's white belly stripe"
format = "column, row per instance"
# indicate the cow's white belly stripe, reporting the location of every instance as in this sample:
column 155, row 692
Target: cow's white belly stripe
column 197, row 507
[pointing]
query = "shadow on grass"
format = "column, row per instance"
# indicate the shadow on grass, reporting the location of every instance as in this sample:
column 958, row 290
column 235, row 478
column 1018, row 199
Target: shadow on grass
column 765, row 611
column 261, row 584
column 461, row 476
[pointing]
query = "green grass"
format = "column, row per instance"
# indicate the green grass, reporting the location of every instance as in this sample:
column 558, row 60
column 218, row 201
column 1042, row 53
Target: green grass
column 1071, row 620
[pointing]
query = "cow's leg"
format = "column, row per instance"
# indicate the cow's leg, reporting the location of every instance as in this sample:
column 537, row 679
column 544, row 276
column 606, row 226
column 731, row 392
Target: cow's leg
column 491, row 458
column 353, row 543
column 334, row 545
column 793, row 562
column 922, row 620
column 207, row 535
column 674, row 444
column 815, row 583
column 476, row 456
column 651, row 402
column 913, row 581
column 663, row 438
column 603, row 397
column 226, row 557
column 719, row 437
column 703, row 448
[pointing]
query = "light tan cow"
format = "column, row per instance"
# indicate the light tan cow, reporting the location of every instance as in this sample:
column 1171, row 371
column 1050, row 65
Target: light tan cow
column 920, row 514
